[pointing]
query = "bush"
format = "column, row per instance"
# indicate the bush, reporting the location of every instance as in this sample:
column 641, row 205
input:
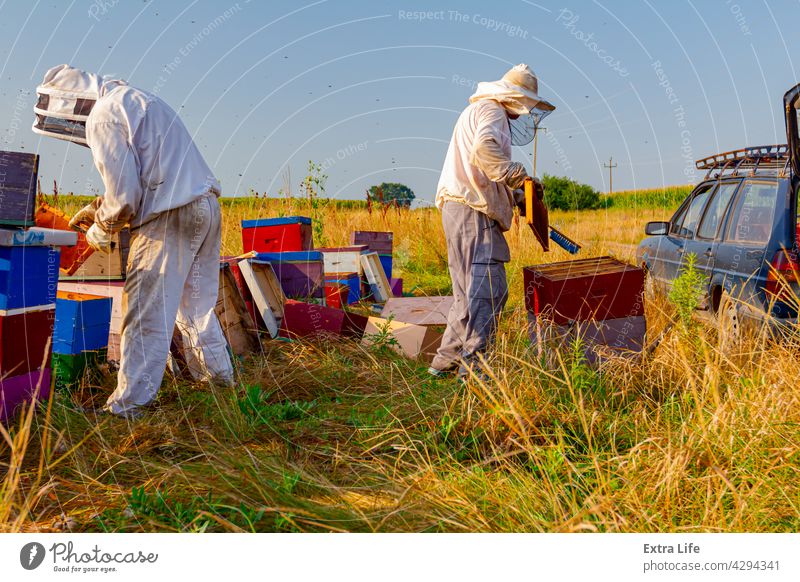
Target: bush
column 565, row 194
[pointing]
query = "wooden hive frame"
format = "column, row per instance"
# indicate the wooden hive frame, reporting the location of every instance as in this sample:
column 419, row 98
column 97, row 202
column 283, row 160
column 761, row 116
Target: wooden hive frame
column 376, row 277
column 237, row 325
column 266, row 290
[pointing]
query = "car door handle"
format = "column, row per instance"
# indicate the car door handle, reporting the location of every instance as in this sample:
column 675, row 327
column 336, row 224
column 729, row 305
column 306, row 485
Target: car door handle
column 681, row 250
column 708, row 253
column 753, row 254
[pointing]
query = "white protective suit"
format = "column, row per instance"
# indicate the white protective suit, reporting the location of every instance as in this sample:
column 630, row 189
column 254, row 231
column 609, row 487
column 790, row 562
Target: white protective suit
column 156, row 182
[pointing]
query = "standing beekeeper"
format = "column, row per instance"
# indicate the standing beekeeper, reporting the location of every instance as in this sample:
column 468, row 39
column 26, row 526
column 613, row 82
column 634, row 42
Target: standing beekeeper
column 156, row 183
column 476, row 195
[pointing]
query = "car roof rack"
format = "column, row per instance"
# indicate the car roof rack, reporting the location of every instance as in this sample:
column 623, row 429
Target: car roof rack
column 769, row 158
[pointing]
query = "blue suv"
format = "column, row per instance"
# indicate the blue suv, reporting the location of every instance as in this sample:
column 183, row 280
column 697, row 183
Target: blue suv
column 741, row 225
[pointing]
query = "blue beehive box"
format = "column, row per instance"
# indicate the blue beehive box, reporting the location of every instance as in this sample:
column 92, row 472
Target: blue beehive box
column 83, row 323
column 386, row 263
column 28, row 276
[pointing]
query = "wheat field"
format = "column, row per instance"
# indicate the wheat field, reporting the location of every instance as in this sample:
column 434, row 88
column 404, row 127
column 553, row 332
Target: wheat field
column 334, row 436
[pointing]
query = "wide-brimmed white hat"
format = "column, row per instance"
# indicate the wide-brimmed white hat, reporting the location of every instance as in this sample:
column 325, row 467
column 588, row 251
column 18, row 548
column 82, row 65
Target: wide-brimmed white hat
column 518, row 91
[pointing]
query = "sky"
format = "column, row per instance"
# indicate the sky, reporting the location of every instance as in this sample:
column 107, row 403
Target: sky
column 371, row 90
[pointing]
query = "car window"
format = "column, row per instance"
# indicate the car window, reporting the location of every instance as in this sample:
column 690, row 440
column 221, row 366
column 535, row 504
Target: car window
column 688, row 222
column 754, row 213
column 677, row 221
column 715, row 213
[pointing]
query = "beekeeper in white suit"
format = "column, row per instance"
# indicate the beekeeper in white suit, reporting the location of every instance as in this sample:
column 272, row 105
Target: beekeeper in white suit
column 476, row 194
column 157, row 183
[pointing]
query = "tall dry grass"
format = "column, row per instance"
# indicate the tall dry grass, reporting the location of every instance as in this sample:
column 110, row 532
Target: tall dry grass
column 334, row 436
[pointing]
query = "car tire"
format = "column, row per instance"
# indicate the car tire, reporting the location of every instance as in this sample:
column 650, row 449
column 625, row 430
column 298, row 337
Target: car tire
column 729, row 323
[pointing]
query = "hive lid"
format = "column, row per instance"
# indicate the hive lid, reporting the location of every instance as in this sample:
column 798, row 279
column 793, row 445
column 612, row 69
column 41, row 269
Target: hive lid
column 281, row 221
column 37, row 236
column 581, row 268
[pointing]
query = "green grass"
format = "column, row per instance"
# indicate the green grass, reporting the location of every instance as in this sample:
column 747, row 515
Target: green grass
column 331, row 435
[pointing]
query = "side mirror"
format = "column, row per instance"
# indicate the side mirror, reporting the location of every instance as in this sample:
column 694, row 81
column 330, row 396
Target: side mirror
column 656, row 228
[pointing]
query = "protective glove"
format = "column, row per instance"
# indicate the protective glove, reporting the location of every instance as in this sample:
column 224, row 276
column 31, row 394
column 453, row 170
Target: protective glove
column 84, row 218
column 519, row 200
column 99, row 239
column 538, row 188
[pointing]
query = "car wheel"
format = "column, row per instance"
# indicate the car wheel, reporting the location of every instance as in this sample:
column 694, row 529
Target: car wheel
column 729, row 323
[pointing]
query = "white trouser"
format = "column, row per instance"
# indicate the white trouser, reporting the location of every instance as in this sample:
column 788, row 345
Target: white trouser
column 173, row 277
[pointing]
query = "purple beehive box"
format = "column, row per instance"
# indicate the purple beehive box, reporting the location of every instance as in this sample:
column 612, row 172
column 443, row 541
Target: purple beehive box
column 397, row 286
column 301, row 273
column 379, row 242
column 17, row 390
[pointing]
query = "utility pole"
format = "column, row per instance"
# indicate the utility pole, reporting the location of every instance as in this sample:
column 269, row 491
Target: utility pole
column 535, row 142
column 610, row 167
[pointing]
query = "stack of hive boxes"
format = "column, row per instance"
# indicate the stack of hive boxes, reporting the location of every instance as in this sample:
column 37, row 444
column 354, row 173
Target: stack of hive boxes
column 29, row 261
column 599, row 301
column 80, row 337
column 287, row 243
column 28, row 279
column 342, row 266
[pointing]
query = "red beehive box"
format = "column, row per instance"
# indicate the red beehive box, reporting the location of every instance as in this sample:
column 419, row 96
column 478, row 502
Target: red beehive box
column 24, row 334
column 277, row 235
column 598, row 288
column 336, row 294
column 309, row 319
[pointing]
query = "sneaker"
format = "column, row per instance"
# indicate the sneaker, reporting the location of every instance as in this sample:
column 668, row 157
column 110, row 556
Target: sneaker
column 437, row 373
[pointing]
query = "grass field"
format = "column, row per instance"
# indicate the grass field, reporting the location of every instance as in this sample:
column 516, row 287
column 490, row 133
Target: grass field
column 332, row 436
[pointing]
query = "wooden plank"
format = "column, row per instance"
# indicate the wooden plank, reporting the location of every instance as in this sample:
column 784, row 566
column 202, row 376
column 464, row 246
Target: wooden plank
column 418, row 310
column 266, row 291
column 237, row 325
column 379, row 284
column 412, row 341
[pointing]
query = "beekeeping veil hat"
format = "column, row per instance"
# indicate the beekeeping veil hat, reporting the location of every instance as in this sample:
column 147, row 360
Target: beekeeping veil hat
column 64, row 100
column 518, row 92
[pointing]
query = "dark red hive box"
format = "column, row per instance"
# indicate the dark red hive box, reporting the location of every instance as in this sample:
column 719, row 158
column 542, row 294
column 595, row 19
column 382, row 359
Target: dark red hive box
column 23, row 340
column 598, row 288
column 309, row 319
